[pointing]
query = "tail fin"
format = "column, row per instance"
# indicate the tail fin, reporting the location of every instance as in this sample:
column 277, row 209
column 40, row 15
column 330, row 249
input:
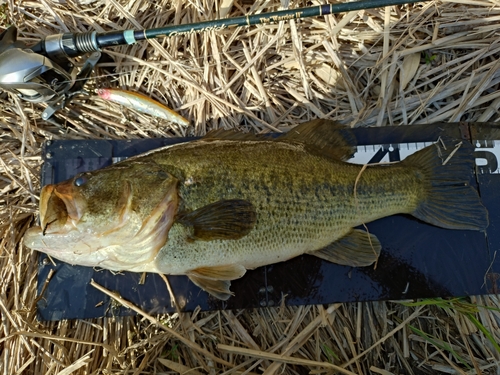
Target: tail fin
column 450, row 202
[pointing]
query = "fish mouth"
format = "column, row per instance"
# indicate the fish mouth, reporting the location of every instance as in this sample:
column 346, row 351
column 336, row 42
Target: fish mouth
column 59, row 210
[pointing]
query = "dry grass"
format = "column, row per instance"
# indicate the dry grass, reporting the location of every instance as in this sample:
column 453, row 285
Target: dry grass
column 434, row 61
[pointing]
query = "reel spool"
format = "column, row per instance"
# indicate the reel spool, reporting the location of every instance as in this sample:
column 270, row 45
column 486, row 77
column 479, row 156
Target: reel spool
column 37, row 77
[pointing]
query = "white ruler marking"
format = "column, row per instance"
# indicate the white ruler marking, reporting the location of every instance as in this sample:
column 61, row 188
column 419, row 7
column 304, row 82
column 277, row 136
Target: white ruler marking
column 487, row 154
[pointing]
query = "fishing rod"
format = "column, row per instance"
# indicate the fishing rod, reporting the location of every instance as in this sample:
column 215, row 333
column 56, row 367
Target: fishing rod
column 44, row 72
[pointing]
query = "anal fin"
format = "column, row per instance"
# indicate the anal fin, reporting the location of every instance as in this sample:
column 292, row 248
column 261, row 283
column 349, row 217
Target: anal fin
column 216, row 280
column 356, row 249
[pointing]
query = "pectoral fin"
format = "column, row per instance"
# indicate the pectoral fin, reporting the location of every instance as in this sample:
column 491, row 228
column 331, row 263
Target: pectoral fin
column 229, row 219
column 216, row 280
column 356, row 249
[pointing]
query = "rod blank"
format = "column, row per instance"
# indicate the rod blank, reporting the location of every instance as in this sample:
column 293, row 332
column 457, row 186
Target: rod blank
column 115, row 38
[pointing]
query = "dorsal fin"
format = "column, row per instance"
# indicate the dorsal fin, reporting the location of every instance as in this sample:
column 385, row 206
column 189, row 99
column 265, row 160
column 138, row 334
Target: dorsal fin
column 321, row 137
column 324, row 137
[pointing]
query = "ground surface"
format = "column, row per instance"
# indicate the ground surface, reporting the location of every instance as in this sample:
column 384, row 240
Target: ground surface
column 428, row 62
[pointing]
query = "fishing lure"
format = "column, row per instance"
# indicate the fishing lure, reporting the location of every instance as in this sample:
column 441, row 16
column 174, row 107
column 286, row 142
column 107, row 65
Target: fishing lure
column 142, row 103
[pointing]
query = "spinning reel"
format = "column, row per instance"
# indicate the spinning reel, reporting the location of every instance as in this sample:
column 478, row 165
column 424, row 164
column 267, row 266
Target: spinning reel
column 44, row 72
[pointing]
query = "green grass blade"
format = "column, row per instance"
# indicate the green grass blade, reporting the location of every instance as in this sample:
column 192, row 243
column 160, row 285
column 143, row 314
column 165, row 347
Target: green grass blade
column 483, row 329
column 439, row 344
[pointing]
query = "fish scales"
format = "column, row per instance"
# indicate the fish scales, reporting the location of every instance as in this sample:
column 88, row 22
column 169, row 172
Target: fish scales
column 303, row 202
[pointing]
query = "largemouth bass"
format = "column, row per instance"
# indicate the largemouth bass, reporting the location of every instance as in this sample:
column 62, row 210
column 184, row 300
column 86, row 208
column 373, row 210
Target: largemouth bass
column 213, row 208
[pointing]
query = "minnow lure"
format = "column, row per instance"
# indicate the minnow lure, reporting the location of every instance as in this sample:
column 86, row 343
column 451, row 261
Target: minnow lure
column 142, row 103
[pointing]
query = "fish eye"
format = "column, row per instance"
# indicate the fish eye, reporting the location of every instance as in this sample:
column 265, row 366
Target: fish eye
column 79, row 181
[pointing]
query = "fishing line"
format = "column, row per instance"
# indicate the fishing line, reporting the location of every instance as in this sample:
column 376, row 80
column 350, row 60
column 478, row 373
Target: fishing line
column 185, row 63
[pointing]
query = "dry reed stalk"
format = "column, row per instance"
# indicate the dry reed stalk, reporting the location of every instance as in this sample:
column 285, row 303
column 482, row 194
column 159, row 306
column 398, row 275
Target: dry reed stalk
column 433, row 61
